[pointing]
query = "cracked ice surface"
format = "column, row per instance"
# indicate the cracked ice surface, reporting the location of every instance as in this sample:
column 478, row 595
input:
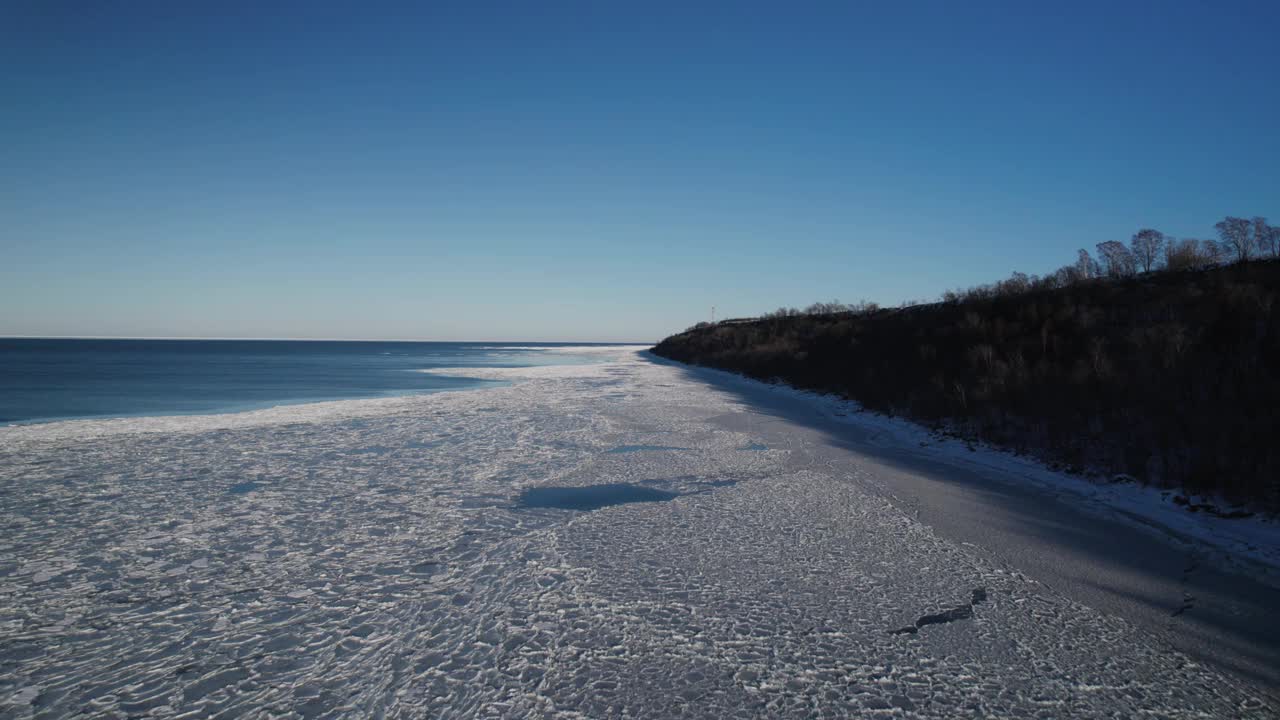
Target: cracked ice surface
column 373, row 559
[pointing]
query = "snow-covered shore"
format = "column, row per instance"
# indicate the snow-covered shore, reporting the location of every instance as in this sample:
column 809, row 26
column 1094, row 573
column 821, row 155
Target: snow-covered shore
column 1251, row 542
column 375, row 558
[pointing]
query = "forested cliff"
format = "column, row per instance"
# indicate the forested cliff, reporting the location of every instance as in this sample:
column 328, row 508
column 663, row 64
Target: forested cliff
column 1172, row 377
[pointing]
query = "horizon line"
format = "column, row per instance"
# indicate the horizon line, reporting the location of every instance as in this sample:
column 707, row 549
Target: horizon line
column 290, row 339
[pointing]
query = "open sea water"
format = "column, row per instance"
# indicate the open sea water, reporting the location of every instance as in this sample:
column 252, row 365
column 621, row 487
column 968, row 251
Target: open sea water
column 57, row 379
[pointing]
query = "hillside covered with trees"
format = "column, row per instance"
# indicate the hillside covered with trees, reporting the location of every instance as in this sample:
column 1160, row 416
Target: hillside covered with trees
column 1159, row 359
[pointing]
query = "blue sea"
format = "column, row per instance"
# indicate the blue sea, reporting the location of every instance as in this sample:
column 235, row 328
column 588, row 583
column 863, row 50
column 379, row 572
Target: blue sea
column 57, row 379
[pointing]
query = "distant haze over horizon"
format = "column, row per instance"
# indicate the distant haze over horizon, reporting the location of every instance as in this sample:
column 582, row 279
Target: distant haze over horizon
column 579, row 172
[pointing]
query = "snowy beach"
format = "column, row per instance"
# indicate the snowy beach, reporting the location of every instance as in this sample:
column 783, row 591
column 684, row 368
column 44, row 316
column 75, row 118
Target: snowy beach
column 628, row 538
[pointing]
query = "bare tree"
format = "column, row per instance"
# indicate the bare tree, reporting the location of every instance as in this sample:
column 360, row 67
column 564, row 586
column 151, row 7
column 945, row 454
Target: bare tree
column 1146, row 245
column 1185, row 254
column 821, row 308
column 1086, row 267
column 1213, row 253
column 1266, row 237
column 1236, row 237
column 1017, row 284
column 1117, row 259
column 1066, row 275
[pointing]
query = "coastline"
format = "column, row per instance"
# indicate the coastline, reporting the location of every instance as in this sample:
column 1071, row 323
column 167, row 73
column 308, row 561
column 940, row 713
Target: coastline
column 379, row 558
column 1252, row 542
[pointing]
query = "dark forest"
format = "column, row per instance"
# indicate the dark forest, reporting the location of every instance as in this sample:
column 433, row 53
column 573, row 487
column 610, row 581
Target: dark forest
column 1171, row 376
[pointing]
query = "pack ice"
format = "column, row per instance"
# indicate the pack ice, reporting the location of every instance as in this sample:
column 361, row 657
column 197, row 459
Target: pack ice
column 584, row 542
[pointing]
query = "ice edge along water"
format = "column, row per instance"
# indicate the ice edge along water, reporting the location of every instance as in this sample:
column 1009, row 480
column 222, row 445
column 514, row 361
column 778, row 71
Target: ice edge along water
column 298, row 412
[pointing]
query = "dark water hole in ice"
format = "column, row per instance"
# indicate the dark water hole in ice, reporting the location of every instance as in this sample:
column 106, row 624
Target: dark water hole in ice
column 591, row 497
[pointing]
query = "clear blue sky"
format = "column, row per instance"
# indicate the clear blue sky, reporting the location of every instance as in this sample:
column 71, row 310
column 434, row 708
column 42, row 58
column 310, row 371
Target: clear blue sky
column 598, row 170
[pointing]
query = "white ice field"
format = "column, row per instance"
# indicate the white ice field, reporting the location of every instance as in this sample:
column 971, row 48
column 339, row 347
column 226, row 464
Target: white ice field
column 432, row 556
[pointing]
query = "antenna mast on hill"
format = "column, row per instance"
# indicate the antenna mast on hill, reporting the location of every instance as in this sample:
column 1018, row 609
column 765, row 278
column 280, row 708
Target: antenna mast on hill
column 713, row 314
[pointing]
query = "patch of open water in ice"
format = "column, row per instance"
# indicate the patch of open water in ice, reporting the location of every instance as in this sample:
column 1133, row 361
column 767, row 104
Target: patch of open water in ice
column 592, row 497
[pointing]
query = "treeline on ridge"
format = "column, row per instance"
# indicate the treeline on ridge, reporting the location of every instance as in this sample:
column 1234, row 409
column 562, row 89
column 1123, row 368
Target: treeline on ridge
column 1161, row 362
